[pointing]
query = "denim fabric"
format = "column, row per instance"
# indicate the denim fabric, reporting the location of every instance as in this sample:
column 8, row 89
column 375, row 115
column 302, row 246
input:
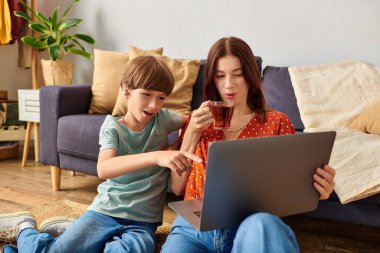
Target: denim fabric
column 92, row 232
column 261, row 232
column 9, row 249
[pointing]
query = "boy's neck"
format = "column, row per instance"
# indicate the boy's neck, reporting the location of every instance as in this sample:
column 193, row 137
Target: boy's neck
column 133, row 124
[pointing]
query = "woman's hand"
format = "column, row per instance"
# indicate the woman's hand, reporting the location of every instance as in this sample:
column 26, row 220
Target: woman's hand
column 324, row 181
column 201, row 118
column 177, row 161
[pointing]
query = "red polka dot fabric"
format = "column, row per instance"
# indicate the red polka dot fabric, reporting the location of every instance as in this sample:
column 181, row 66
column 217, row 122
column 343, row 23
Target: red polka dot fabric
column 276, row 123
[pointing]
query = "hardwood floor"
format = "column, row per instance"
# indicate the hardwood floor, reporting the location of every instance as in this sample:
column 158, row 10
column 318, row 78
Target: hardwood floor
column 26, row 188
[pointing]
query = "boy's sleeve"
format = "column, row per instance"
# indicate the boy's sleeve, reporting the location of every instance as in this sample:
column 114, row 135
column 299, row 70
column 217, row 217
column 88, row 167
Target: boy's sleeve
column 108, row 137
column 174, row 121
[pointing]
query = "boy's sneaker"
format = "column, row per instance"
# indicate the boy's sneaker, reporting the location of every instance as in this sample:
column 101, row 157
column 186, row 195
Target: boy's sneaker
column 9, row 224
column 56, row 225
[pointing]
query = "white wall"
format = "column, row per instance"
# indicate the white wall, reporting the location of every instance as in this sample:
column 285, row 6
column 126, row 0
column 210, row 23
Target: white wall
column 283, row 32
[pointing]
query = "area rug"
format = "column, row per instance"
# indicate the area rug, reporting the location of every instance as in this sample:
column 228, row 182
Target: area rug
column 64, row 207
column 74, row 210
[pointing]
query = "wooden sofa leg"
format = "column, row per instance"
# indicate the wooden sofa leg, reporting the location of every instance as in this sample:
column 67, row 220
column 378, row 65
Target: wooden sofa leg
column 55, row 177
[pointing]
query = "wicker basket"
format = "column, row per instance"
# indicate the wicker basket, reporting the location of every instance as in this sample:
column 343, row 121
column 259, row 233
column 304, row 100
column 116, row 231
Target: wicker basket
column 8, row 149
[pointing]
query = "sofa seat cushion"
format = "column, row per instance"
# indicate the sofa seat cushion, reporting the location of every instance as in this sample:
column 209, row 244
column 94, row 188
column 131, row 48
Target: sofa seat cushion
column 78, row 135
column 372, row 200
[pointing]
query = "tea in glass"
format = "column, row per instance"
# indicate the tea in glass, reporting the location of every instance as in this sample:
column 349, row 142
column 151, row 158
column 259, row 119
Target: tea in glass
column 222, row 113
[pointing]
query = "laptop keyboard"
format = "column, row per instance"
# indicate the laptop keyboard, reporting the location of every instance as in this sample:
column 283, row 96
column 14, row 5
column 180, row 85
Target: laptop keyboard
column 198, row 213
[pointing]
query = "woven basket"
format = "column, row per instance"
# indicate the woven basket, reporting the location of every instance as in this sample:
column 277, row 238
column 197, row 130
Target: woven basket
column 8, row 150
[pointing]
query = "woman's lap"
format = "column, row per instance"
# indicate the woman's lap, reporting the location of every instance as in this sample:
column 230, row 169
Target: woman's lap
column 261, row 232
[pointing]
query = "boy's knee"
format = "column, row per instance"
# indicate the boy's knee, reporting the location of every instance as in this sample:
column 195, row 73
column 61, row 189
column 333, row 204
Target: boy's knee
column 141, row 245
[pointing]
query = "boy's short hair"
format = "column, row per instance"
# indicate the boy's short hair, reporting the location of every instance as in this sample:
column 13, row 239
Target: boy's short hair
column 148, row 72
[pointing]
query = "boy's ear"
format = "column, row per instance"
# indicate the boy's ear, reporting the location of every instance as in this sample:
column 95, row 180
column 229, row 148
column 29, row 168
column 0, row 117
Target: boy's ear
column 126, row 92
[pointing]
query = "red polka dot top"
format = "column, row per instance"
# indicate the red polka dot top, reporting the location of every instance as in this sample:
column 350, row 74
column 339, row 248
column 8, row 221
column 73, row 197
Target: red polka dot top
column 276, row 123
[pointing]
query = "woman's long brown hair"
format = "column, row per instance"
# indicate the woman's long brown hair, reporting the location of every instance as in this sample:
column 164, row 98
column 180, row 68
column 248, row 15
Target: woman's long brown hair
column 236, row 47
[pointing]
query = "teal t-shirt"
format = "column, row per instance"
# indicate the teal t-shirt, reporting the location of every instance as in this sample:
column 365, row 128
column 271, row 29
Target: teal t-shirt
column 138, row 195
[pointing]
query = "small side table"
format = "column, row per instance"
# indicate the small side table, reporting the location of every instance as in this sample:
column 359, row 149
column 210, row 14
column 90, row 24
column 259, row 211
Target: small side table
column 29, row 110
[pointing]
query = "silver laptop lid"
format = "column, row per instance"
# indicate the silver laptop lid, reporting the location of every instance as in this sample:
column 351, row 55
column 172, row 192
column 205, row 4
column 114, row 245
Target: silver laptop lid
column 268, row 174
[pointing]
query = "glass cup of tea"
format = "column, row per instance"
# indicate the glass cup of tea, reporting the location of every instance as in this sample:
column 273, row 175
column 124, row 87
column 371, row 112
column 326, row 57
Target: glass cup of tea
column 222, row 113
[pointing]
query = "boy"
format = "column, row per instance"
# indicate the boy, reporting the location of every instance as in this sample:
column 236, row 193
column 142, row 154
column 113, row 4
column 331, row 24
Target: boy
column 129, row 206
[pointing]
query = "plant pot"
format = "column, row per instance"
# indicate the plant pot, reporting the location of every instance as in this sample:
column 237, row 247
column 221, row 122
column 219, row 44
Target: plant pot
column 58, row 72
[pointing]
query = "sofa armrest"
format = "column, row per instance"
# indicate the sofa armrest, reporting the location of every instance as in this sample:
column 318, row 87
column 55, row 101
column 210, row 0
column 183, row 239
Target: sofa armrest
column 55, row 102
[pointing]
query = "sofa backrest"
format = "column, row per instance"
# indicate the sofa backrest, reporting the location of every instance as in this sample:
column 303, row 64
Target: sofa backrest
column 279, row 94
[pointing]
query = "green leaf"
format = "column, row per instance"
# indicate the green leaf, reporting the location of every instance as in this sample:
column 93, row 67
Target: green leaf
column 38, row 28
column 52, row 32
column 43, row 19
column 70, row 45
column 43, row 38
column 54, row 53
column 66, row 48
column 78, row 44
column 54, row 19
column 68, row 8
column 33, row 42
column 63, row 40
column 84, row 37
column 66, row 24
column 85, row 54
column 50, row 40
column 30, row 41
column 27, row 7
column 22, row 15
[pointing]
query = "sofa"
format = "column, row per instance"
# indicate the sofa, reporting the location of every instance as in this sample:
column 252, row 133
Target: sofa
column 69, row 136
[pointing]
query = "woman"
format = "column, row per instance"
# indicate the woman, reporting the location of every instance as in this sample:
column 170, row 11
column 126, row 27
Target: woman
column 232, row 75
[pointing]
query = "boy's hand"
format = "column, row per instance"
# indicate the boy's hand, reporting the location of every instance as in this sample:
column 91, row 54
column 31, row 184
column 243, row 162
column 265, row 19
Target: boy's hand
column 201, row 118
column 177, row 161
column 324, row 181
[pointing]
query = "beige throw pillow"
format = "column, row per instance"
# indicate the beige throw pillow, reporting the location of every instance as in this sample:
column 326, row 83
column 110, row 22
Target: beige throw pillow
column 185, row 73
column 109, row 67
column 369, row 120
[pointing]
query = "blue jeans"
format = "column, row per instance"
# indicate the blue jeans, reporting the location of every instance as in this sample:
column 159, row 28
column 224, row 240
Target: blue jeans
column 260, row 232
column 92, row 232
column 9, row 249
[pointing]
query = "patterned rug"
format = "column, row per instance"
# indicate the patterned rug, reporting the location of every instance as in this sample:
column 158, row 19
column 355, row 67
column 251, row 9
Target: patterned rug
column 73, row 209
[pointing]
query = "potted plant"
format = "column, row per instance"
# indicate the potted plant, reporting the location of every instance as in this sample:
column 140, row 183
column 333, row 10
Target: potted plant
column 53, row 36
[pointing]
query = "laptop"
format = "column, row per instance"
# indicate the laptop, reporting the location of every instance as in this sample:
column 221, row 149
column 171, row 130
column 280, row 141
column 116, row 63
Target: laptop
column 268, row 174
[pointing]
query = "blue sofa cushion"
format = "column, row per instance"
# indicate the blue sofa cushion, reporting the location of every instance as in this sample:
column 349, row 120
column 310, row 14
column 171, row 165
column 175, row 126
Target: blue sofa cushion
column 78, row 135
column 372, row 200
column 279, row 94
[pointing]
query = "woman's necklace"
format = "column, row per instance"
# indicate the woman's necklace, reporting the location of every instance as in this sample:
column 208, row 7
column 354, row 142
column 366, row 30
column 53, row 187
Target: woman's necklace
column 240, row 128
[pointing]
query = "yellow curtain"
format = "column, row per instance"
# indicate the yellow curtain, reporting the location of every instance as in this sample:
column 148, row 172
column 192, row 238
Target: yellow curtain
column 5, row 23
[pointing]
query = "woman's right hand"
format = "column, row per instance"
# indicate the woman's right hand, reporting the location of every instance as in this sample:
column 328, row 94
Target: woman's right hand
column 201, row 118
